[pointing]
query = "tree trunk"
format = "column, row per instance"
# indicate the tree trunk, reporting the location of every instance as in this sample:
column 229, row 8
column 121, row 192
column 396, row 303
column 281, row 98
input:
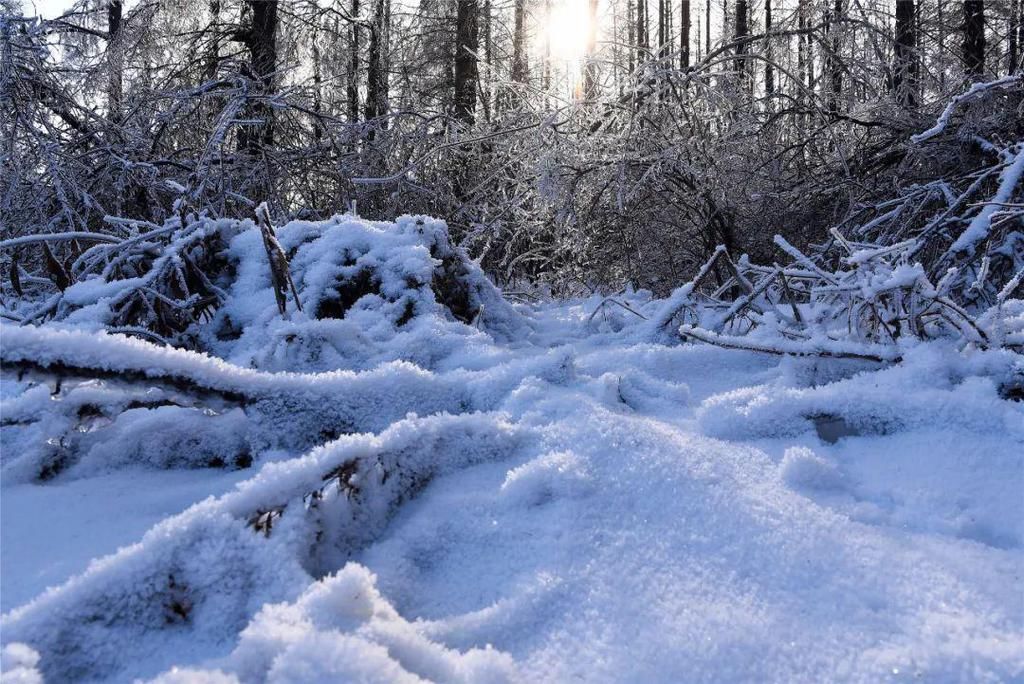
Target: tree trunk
column 801, row 50
column 213, row 53
column 115, row 61
column 835, row 66
column 466, row 71
column 974, row 39
column 742, row 31
column 261, row 41
column 486, row 88
column 941, row 47
column 684, row 34
column 519, row 65
column 376, row 66
column 1011, row 52
column 769, row 68
column 664, row 30
column 352, row 87
column 904, row 81
column 641, row 31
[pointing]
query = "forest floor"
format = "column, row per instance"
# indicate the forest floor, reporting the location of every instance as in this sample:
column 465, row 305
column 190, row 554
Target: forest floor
column 680, row 513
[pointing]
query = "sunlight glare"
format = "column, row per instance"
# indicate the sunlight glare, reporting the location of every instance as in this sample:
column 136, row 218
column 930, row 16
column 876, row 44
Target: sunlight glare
column 567, row 29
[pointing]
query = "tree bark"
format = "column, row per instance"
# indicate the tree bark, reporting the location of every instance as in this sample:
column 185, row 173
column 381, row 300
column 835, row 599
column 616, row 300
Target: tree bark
column 769, row 68
column 213, row 53
column 1011, row 52
column 466, row 69
column 684, row 34
column 519, row 64
column 742, row 31
column 904, row 71
column 642, row 41
column 115, row 61
column 974, row 39
column 376, row 66
column 835, row 66
column 352, row 87
column 260, row 39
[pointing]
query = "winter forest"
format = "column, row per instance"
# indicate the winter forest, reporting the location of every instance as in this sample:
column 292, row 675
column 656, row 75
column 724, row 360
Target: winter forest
column 500, row 341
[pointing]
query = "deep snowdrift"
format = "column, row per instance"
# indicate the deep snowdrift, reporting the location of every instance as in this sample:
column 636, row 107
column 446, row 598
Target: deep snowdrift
column 542, row 496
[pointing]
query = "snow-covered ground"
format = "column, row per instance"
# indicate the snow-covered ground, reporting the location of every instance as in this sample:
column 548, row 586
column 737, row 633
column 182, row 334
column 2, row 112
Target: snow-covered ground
column 572, row 503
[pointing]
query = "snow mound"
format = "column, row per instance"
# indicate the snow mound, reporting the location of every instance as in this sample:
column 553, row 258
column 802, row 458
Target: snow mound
column 933, row 387
column 363, row 292
column 102, row 376
column 342, row 629
column 803, row 469
column 196, row 579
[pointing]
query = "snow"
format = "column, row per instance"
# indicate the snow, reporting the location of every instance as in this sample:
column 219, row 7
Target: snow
column 51, row 532
column 545, row 495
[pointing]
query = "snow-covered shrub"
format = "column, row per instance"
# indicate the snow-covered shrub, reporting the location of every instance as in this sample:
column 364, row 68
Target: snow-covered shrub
column 217, row 286
column 360, row 285
column 944, row 260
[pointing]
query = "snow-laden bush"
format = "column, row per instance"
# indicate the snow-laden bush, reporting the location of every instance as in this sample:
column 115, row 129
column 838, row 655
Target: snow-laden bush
column 309, row 296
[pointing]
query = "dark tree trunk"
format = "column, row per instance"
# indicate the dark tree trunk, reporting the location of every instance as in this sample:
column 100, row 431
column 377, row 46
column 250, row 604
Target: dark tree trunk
column 769, row 68
column 352, row 87
column 466, row 71
column 684, row 34
column 376, row 66
column 664, row 30
column 486, row 88
column 260, row 39
column 707, row 27
column 519, row 65
column 974, row 39
column 941, row 23
column 742, row 31
column 801, row 49
column 213, row 53
column 1011, row 52
column 642, row 41
column 115, row 61
column 904, row 68
column 835, row 66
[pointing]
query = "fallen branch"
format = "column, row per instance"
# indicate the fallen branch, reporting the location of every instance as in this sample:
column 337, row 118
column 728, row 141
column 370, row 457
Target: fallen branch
column 843, row 350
